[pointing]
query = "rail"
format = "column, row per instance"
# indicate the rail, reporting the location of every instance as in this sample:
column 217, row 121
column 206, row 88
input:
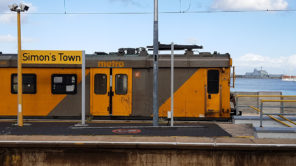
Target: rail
column 260, row 105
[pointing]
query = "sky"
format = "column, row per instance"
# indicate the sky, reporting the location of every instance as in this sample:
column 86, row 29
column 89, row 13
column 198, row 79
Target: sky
column 253, row 39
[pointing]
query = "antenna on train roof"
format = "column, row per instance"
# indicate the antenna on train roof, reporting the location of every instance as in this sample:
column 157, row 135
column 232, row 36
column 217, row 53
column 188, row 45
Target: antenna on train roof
column 167, row 47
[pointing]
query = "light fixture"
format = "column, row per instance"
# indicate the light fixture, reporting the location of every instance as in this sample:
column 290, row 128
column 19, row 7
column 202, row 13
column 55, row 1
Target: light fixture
column 24, row 7
column 16, row 8
column 13, row 7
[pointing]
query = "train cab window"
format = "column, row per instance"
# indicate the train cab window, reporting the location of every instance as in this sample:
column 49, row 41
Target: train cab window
column 64, row 84
column 121, row 84
column 213, row 81
column 100, row 84
column 29, row 84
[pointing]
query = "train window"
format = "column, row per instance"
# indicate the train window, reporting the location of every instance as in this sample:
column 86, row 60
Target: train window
column 64, row 84
column 29, row 84
column 213, row 81
column 100, row 84
column 121, row 84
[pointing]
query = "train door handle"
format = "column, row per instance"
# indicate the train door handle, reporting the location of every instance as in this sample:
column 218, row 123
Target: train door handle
column 110, row 94
column 209, row 96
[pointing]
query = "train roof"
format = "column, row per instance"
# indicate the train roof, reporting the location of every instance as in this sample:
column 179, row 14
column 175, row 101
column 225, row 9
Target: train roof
column 135, row 59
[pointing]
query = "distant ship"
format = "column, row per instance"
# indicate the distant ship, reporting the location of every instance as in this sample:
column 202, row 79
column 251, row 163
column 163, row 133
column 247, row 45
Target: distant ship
column 288, row 78
column 257, row 74
column 260, row 74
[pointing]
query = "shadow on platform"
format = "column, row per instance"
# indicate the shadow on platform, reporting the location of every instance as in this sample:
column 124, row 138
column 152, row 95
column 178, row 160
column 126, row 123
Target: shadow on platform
column 134, row 129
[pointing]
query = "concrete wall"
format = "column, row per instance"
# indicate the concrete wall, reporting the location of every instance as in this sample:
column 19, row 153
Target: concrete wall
column 143, row 157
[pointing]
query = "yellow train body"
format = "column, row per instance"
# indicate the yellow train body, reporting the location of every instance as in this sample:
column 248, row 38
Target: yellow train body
column 121, row 88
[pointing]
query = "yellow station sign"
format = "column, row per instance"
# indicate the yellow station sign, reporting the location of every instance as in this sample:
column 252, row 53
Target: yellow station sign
column 51, row 57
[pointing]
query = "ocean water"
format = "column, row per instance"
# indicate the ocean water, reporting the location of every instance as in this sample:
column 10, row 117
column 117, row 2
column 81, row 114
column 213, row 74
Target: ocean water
column 255, row 85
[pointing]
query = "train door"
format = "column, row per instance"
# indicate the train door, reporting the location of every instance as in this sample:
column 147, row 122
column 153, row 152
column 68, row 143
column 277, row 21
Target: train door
column 122, row 88
column 111, row 91
column 213, row 95
column 100, row 81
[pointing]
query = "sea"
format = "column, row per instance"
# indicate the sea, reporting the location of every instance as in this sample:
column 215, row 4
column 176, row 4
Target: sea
column 256, row 85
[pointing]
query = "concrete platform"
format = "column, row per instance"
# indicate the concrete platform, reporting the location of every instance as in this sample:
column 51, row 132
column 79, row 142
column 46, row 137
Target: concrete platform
column 189, row 143
column 270, row 129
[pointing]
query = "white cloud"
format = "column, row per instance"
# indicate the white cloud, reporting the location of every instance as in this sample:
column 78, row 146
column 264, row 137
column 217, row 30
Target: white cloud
column 123, row 1
column 7, row 17
column 250, row 4
column 282, row 64
column 191, row 40
column 9, row 38
column 4, row 5
column 133, row 2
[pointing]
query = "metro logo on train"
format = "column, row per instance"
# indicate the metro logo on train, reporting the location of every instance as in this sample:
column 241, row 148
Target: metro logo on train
column 51, row 57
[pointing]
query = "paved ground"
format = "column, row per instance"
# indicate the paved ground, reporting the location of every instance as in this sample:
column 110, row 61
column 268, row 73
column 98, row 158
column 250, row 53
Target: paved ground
column 135, row 129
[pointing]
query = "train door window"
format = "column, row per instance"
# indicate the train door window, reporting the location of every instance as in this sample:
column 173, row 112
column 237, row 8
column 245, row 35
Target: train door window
column 213, row 81
column 121, row 84
column 100, row 84
column 64, row 84
column 29, row 84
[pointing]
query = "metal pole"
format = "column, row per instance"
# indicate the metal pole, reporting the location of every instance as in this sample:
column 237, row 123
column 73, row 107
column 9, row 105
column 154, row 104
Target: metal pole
column 261, row 113
column 233, row 76
column 236, row 105
column 172, row 84
column 19, row 73
column 258, row 100
column 83, row 90
column 155, row 65
column 282, row 105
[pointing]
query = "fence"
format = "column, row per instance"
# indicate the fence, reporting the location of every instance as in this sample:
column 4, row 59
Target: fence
column 276, row 106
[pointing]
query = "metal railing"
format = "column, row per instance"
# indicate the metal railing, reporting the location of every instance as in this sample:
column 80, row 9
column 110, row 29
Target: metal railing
column 260, row 105
column 279, row 114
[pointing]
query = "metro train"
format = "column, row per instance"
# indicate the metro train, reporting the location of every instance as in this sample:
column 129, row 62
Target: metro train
column 120, row 85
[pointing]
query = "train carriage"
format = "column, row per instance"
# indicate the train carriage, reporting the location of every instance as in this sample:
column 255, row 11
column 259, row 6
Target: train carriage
column 119, row 85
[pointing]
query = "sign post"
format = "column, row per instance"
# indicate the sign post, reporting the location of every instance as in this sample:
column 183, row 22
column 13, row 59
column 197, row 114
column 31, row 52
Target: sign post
column 20, row 120
column 58, row 57
column 83, row 90
column 172, row 85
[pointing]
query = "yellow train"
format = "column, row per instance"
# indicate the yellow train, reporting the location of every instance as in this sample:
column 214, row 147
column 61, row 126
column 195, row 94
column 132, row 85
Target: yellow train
column 120, row 85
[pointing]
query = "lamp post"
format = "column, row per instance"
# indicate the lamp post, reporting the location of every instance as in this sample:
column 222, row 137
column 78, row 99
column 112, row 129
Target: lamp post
column 19, row 8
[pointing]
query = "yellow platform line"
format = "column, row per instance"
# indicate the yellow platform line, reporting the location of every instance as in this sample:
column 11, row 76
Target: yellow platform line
column 272, row 117
column 287, row 119
column 246, row 136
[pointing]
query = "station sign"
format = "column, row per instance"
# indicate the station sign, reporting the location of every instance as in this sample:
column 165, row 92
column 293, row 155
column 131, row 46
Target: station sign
column 51, row 57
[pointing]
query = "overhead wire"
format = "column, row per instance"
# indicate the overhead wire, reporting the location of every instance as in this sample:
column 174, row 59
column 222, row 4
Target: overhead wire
column 163, row 12
column 143, row 13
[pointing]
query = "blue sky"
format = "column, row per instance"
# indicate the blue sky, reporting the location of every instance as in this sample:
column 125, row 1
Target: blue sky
column 253, row 39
